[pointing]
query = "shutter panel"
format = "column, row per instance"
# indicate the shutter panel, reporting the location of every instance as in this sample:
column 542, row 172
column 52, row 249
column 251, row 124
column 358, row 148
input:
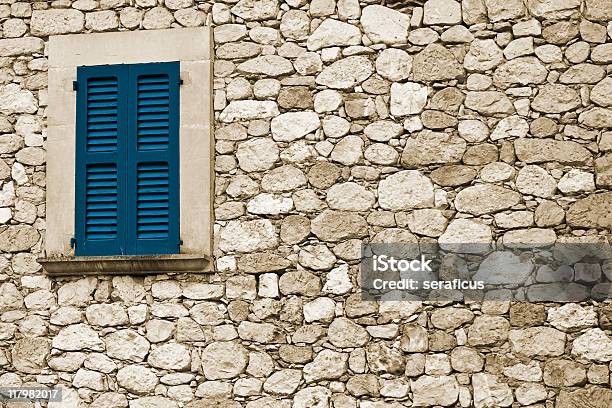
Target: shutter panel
column 153, row 159
column 100, row 160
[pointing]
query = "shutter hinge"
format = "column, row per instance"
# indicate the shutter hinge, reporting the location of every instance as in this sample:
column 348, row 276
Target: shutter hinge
column 75, row 85
column 180, row 81
column 180, row 242
column 73, row 242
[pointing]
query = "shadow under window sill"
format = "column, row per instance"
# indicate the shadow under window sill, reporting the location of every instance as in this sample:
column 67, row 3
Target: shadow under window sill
column 128, row 265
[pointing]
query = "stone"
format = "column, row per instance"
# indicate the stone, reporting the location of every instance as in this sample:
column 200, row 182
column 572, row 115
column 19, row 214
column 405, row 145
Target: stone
column 78, row 337
column 560, row 33
column 320, row 309
column 473, row 130
column 333, row 33
column 394, row 64
column 441, row 12
column 520, row 71
column 457, row 34
column 385, row 25
column 591, row 212
column 21, row 46
column 489, row 392
column 327, row 100
column 434, row 390
column 317, row 257
column 545, row 150
column 283, row 382
column 512, row 126
column 126, row 345
column 489, row 103
column 382, row 359
column 555, row 98
column 338, row 281
column 295, row 25
column 576, row 181
column 170, row 356
column 292, row 97
column 597, row 397
column 537, row 341
column 598, row 10
column 564, row 373
column 519, row 48
column 600, row 93
column 534, row 180
column 267, row 65
column 408, row 98
column 593, row 345
column 582, row 73
column 257, row 154
column 157, row 18
column 13, row 99
column 346, row 73
column 284, row 178
column 312, row 397
column 405, row 190
column 137, row 379
column 343, row 333
column 453, row 175
column 485, row 198
column 105, row 315
column 249, row 110
column 327, row 365
column 255, row 10
column 482, row 56
column 429, row 147
column 466, row 236
column 248, row 236
column 597, row 117
column 334, row 226
column 223, row 360
column 348, row 150
column 350, row 197
column 466, row 360
column 17, row 238
column 423, row 36
column 601, row 54
column 105, row 20
column 56, row 21
column 549, row 53
column 435, row 63
column 28, row 355
column 488, row 330
column 291, row 126
column 529, row 238
column 428, row 222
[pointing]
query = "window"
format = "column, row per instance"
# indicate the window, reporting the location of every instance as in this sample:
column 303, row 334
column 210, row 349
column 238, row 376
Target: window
column 130, row 152
column 127, row 175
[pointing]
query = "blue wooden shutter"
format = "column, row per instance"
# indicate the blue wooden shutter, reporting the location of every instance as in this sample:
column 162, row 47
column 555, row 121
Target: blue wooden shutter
column 101, row 136
column 153, row 159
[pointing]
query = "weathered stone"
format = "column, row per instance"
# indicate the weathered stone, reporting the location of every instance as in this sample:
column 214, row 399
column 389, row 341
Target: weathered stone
column 343, row 333
column 21, row 46
column 56, row 21
column 555, row 98
column 112, row 314
column 333, row 33
column 483, row 56
column 553, row 8
column 334, row 226
column 434, row 390
column 596, row 118
column 383, row 359
column 249, row 110
column 576, row 181
column 29, row 354
column 485, row 199
column 466, row 360
column 520, row 71
column 327, row 365
column 267, row 65
column 488, row 330
column 382, row 24
column 429, row 147
column 499, row 10
column 13, row 99
column 394, row 64
column 564, row 373
column 489, row 103
column 78, row 337
column 312, row 397
column 407, row 99
column 252, row 10
column 591, row 212
column 441, row 12
column 598, row 10
column 465, row 235
column 126, row 345
column 137, row 379
column 453, row 175
column 223, row 360
column 597, row 397
column 545, row 150
column 405, row 190
column 436, row 63
column 350, row 197
column 593, row 345
column 248, row 236
column 489, row 392
column 601, row 93
column 534, row 180
column 348, row 151
column 537, row 341
column 346, row 73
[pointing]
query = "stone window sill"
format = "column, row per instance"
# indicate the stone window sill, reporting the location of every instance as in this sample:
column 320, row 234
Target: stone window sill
column 133, row 265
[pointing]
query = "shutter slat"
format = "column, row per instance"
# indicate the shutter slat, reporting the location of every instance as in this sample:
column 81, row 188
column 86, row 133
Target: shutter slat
column 102, row 114
column 152, row 192
column 101, row 186
column 153, row 107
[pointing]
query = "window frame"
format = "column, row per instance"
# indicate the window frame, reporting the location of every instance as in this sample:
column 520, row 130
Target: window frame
column 66, row 53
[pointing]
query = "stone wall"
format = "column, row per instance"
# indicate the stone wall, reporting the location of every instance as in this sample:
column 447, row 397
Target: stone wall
column 336, row 122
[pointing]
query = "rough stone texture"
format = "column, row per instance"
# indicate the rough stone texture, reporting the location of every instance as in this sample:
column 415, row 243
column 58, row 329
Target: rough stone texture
column 335, row 122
